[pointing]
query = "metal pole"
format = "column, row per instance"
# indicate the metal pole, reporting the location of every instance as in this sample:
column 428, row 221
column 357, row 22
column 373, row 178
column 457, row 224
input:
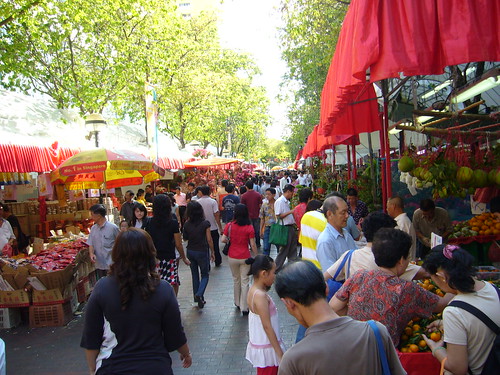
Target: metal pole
column 354, row 168
column 385, row 131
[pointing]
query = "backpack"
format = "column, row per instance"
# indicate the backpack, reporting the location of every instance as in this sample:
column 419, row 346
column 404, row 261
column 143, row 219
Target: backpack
column 492, row 363
column 333, row 284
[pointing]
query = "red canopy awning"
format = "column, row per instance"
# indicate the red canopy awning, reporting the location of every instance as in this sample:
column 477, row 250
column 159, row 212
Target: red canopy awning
column 173, row 163
column 211, row 162
column 412, row 37
column 21, row 158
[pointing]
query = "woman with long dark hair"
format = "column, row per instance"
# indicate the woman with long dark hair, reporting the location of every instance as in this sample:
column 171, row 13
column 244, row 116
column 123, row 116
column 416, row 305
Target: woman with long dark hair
column 468, row 339
column 199, row 239
column 132, row 319
column 240, row 233
column 140, row 219
column 164, row 231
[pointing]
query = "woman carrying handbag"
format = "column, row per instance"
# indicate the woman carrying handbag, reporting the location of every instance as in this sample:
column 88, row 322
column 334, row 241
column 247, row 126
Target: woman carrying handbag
column 242, row 234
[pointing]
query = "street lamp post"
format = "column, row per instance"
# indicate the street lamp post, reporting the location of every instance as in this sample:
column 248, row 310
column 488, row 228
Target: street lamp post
column 95, row 121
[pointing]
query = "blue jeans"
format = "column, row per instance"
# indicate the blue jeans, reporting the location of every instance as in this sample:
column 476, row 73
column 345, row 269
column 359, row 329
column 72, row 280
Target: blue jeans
column 267, row 246
column 199, row 259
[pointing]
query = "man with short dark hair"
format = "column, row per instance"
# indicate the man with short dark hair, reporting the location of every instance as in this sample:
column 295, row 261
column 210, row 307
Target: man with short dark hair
column 228, row 203
column 355, row 207
column 190, row 193
column 101, row 239
column 332, row 344
column 253, row 201
column 127, row 210
column 212, row 214
column 149, row 194
column 430, row 219
column 284, row 216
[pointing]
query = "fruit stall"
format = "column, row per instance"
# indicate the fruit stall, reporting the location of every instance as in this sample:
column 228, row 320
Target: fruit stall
column 469, row 172
column 47, row 287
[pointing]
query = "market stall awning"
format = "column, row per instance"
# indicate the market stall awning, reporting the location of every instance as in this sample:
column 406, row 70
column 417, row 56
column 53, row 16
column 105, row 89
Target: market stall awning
column 386, row 38
column 24, row 158
column 103, row 168
column 210, row 162
column 173, row 163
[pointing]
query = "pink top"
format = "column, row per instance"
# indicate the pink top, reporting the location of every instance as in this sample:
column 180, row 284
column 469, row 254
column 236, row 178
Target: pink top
column 180, row 199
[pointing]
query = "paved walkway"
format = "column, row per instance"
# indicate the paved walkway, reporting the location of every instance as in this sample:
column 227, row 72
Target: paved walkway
column 217, row 335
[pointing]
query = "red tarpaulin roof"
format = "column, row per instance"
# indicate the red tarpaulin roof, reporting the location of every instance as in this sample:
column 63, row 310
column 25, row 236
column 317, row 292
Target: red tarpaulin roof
column 317, row 142
column 18, row 158
column 173, row 163
column 413, row 37
column 211, row 162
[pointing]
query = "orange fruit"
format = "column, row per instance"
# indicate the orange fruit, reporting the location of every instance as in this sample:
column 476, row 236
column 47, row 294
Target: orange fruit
column 415, row 327
column 497, row 225
column 435, row 336
column 475, row 229
column 408, row 331
column 404, row 349
column 484, row 227
column 413, row 348
column 404, row 337
column 422, row 343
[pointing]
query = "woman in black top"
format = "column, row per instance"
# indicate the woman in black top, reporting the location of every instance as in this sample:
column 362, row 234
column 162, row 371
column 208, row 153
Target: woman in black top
column 166, row 237
column 140, row 219
column 197, row 234
column 132, row 319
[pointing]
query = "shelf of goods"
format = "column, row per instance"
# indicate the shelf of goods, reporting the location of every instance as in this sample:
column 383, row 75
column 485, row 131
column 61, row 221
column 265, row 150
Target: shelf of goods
column 46, row 283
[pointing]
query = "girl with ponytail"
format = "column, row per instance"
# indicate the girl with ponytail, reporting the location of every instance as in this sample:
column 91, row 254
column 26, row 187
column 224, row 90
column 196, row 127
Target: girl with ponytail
column 265, row 347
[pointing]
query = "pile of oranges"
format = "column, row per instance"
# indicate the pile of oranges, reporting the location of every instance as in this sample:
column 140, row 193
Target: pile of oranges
column 429, row 285
column 412, row 340
column 485, row 224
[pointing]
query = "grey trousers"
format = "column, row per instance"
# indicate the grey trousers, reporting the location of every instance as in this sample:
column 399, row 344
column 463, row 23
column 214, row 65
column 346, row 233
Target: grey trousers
column 289, row 251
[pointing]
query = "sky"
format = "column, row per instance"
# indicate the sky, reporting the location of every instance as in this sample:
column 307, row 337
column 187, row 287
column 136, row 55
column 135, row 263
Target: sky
column 251, row 26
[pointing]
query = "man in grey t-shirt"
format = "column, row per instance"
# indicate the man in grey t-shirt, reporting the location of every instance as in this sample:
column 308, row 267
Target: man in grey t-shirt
column 332, row 344
column 101, row 239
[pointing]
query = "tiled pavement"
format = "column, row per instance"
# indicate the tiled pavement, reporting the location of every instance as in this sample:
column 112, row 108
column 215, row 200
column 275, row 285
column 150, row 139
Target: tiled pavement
column 217, row 336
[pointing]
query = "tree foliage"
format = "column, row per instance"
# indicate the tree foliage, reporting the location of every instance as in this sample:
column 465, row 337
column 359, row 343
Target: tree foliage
column 309, row 37
column 96, row 55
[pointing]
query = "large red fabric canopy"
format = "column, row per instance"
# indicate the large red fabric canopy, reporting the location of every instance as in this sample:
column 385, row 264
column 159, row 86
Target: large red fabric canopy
column 412, row 37
column 317, row 142
column 19, row 158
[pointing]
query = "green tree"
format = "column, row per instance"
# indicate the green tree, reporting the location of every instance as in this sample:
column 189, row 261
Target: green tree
column 308, row 38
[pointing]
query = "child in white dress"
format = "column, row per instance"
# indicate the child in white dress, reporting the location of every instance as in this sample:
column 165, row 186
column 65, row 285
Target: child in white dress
column 265, row 347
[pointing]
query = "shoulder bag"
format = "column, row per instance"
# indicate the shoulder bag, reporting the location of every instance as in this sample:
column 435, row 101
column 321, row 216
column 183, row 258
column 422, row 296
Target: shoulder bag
column 333, row 284
column 225, row 250
column 278, row 234
column 380, row 346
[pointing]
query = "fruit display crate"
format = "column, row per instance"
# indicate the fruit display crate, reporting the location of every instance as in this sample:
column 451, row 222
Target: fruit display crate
column 487, row 273
column 54, row 315
column 9, row 318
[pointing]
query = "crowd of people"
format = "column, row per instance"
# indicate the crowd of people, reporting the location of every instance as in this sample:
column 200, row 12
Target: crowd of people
column 344, row 273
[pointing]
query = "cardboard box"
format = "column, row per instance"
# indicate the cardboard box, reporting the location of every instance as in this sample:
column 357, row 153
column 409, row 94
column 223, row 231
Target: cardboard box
column 55, row 279
column 47, row 297
column 53, row 315
column 17, row 298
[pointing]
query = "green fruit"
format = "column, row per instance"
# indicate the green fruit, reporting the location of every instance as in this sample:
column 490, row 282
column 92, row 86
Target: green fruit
column 464, row 176
column 497, row 178
column 406, row 164
column 491, row 176
column 480, row 178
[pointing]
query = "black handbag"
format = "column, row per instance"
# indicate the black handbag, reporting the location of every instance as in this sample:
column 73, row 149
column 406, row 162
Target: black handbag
column 225, row 250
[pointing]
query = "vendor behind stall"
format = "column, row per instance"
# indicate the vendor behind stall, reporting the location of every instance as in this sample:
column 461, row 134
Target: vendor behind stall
column 7, row 236
column 22, row 241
